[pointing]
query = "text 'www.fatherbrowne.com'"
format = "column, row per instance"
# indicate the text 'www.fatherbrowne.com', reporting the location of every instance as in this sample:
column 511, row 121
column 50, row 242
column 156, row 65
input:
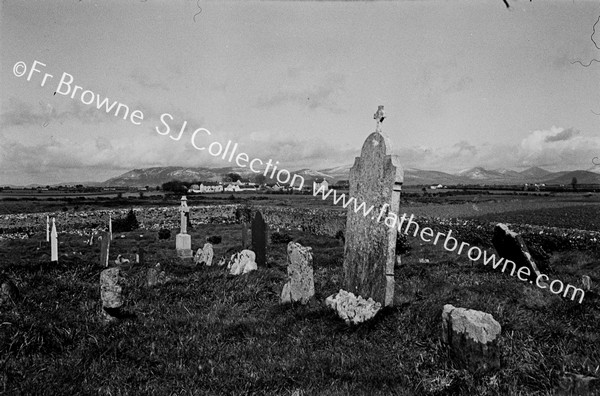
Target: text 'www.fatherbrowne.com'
column 451, row 244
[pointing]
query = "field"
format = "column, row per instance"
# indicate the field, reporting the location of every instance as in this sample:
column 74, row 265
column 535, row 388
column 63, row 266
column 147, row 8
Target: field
column 205, row 332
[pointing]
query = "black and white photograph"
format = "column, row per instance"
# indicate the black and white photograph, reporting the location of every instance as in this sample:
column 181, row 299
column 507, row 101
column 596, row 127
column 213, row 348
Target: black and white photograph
column 299, row 197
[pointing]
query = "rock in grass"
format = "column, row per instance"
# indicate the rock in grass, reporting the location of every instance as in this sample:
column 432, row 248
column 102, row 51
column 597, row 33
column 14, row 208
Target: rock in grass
column 155, row 276
column 204, row 255
column 242, row 262
column 511, row 246
column 300, row 286
column 352, row 309
column 472, row 336
column 9, row 293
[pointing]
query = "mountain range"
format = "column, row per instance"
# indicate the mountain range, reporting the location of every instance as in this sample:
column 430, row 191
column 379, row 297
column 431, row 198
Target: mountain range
column 478, row 175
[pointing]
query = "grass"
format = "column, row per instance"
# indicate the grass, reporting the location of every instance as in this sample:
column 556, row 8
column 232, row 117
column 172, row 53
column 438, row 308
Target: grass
column 206, row 332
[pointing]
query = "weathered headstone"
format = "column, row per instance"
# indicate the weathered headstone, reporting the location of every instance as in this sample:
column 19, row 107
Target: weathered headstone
column 472, row 336
column 370, row 245
column 300, row 285
column 511, row 246
column 110, row 225
column 352, row 309
column 242, row 263
column 53, row 243
column 259, row 238
column 156, row 276
column 47, row 228
column 204, row 255
column 183, row 241
column 104, row 248
column 111, row 291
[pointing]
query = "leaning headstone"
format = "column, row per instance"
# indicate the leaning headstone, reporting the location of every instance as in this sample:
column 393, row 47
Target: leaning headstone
column 104, row 248
column 511, row 246
column 53, row 243
column 183, row 241
column 472, row 336
column 111, row 291
column 204, row 255
column 587, row 283
column 259, row 238
column 242, row 263
column 370, row 245
column 300, row 286
column 352, row 309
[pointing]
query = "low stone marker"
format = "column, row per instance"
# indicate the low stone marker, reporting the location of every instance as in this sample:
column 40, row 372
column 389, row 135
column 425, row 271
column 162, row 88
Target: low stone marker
column 242, row 263
column 352, row 309
column 111, row 292
column 259, row 238
column 156, row 276
column 472, row 336
column 300, row 286
column 204, row 255
column 511, row 246
column 370, row 244
column 587, row 283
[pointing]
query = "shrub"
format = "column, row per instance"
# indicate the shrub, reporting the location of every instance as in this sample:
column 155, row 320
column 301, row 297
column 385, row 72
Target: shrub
column 214, row 239
column 278, row 237
column 129, row 223
column 164, row 233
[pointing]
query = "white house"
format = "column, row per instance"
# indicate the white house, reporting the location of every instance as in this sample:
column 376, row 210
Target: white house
column 324, row 183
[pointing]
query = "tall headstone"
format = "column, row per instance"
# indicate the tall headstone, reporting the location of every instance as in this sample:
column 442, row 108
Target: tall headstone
column 104, row 248
column 370, row 244
column 183, row 241
column 47, row 228
column 110, row 225
column 259, row 238
column 53, row 243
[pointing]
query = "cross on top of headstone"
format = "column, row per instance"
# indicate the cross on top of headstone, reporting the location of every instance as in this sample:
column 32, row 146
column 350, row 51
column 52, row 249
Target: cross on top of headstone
column 184, row 209
column 379, row 116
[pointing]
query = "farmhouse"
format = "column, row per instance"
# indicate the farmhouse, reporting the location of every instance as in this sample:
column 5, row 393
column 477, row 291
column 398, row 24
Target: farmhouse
column 324, row 183
column 206, row 187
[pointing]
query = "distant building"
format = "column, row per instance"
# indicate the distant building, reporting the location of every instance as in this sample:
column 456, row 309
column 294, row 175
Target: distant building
column 323, row 183
column 206, row 187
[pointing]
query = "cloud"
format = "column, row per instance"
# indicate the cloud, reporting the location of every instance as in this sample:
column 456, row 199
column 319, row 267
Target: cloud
column 141, row 78
column 563, row 135
column 321, row 96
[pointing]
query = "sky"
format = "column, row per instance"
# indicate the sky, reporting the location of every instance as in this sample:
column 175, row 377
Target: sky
column 463, row 83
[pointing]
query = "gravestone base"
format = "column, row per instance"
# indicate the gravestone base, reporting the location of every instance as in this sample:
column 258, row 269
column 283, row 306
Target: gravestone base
column 183, row 244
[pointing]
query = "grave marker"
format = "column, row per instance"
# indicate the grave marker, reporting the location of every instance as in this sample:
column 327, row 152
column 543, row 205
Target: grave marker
column 104, row 248
column 110, row 225
column 183, row 241
column 47, row 228
column 53, row 243
column 259, row 239
column 370, row 245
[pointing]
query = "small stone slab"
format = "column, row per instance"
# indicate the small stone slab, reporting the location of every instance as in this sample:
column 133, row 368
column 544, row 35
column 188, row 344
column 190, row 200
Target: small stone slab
column 352, row 309
column 472, row 336
column 300, row 286
column 111, row 292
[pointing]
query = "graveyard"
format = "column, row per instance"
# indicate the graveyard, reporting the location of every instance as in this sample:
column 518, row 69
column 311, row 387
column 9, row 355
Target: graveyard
column 295, row 296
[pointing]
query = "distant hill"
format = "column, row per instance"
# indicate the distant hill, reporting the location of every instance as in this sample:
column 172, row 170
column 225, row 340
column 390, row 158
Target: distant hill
column 583, row 177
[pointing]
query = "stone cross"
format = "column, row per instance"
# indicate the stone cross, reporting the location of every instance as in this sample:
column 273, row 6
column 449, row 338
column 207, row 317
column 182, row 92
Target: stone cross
column 183, row 241
column 259, row 239
column 53, row 243
column 370, row 246
column 379, row 116
column 47, row 228
column 184, row 213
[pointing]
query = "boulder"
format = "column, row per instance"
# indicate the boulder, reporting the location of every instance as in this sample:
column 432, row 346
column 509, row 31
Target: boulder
column 472, row 336
column 352, row 309
column 300, row 286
